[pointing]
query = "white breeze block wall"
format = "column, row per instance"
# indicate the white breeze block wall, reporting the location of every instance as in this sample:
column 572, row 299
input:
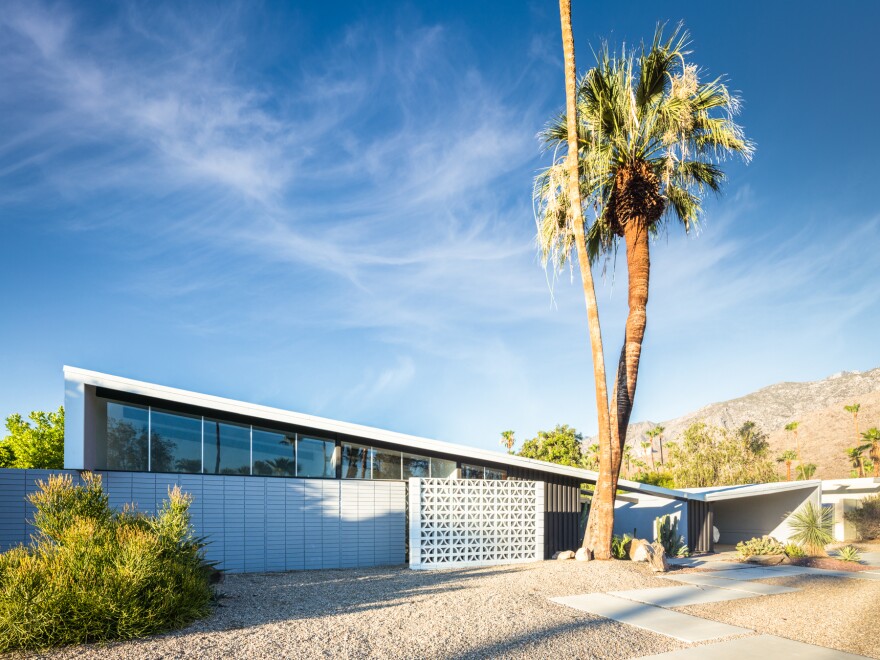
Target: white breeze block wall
column 455, row 523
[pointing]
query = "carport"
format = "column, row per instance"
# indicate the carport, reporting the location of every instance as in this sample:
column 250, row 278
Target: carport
column 740, row 513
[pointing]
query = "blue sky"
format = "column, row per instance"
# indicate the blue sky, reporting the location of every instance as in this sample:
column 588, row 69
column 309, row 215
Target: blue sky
column 328, row 209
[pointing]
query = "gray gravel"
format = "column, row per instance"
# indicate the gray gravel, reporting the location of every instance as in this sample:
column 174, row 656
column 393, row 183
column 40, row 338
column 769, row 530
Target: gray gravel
column 397, row 613
column 840, row 613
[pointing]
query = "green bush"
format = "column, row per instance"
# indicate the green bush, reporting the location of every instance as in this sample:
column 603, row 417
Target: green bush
column 794, row 551
column 667, row 535
column 866, row 518
column 620, row 546
column 765, row 545
column 95, row 575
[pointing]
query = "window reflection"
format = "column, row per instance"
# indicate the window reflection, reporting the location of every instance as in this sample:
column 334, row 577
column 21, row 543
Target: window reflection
column 125, row 438
column 416, row 466
column 274, row 453
column 471, row 471
column 227, row 448
column 386, row 464
column 492, row 473
column 355, row 462
column 314, row 457
column 175, row 443
column 441, row 469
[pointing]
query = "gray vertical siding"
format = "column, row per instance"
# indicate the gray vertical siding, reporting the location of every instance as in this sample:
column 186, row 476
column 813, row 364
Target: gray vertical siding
column 253, row 524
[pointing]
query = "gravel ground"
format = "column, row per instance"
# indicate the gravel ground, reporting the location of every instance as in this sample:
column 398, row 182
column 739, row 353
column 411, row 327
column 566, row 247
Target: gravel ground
column 501, row 611
column 493, row 612
column 840, row 613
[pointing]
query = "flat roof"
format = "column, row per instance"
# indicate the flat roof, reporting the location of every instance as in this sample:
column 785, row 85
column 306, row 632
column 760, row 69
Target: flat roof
column 187, row 397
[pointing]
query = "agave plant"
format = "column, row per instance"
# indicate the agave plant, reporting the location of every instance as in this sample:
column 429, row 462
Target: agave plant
column 849, row 553
column 811, row 528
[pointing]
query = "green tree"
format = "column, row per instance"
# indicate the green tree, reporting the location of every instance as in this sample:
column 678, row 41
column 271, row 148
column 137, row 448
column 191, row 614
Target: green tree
column 648, row 450
column 872, row 437
column 561, row 445
column 38, row 443
column 712, row 456
column 753, row 437
column 647, row 135
column 787, row 457
column 857, row 458
column 508, row 440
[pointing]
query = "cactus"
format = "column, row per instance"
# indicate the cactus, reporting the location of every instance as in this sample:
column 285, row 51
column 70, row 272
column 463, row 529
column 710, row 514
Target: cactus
column 667, row 535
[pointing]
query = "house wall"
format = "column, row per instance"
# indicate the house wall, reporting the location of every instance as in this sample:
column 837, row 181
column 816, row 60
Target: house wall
column 845, row 495
column 253, row 524
column 635, row 514
column 743, row 518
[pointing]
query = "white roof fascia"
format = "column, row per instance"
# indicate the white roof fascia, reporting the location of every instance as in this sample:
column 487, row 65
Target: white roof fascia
column 755, row 490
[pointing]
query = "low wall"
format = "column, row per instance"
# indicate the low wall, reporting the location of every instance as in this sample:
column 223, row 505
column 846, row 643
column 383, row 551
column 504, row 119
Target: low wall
column 471, row 522
column 253, row 524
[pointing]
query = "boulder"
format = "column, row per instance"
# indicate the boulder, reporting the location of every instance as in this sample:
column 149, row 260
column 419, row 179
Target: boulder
column 565, row 554
column 639, row 549
column 583, row 555
column 555, row 555
column 657, row 558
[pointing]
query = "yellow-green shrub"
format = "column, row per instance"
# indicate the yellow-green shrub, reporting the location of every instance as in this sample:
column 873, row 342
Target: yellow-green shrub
column 93, row 575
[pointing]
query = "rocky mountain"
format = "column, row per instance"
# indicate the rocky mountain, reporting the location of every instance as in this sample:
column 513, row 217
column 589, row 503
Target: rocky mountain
column 825, row 430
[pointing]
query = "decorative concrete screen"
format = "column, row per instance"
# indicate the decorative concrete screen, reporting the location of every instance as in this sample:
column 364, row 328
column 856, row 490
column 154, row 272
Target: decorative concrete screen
column 473, row 522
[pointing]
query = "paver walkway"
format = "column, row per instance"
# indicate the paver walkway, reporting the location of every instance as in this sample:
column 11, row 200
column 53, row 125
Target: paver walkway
column 645, row 608
column 757, row 646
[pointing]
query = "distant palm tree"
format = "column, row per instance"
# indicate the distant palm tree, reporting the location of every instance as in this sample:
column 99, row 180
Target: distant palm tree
column 787, row 457
column 854, row 411
column 792, row 427
column 872, row 436
column 508, row 440
column 855, row 455
column 592, row 456
column 657, row 432
column 806, row 471
column 648, row 446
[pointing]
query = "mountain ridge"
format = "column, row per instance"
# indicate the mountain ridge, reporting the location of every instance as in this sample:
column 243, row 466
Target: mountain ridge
column 825, row 430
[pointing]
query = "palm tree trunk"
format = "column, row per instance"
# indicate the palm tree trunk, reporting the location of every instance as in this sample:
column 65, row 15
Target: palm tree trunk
column 601, row 521
column 788, row 470
column 875, row 458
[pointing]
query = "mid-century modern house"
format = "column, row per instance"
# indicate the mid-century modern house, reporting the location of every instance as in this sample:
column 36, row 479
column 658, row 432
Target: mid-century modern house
column 280, row 490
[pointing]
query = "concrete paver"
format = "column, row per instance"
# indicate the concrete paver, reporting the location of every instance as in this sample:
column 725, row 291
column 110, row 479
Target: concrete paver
column 757, row 646
column 656, row 619
column 682, row 596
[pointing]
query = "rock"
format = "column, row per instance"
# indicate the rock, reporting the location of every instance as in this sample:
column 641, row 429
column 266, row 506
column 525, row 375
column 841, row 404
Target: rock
column 639, row 549
column 565, row 554
column 657, row 558
column 768, row 560
column 583, row 555
column 555, row 555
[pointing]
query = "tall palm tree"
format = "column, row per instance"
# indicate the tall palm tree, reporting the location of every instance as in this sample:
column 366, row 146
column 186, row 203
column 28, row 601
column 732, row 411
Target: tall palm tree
column 600, row 524
column 854, row 411
column 856, row 457
column 649, row 137
column 792, row 427
column 872, row 436
column 806, row 471
column 787, row 457
column 508, row 440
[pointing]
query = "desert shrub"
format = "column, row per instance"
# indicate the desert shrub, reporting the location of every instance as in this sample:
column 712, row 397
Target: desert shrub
column 794, row 551
column 94, row 575
column 866, row 518
column 811, row 527
column 849, row 553
column 669, row 538
column 620, row 546
column 765, row 545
